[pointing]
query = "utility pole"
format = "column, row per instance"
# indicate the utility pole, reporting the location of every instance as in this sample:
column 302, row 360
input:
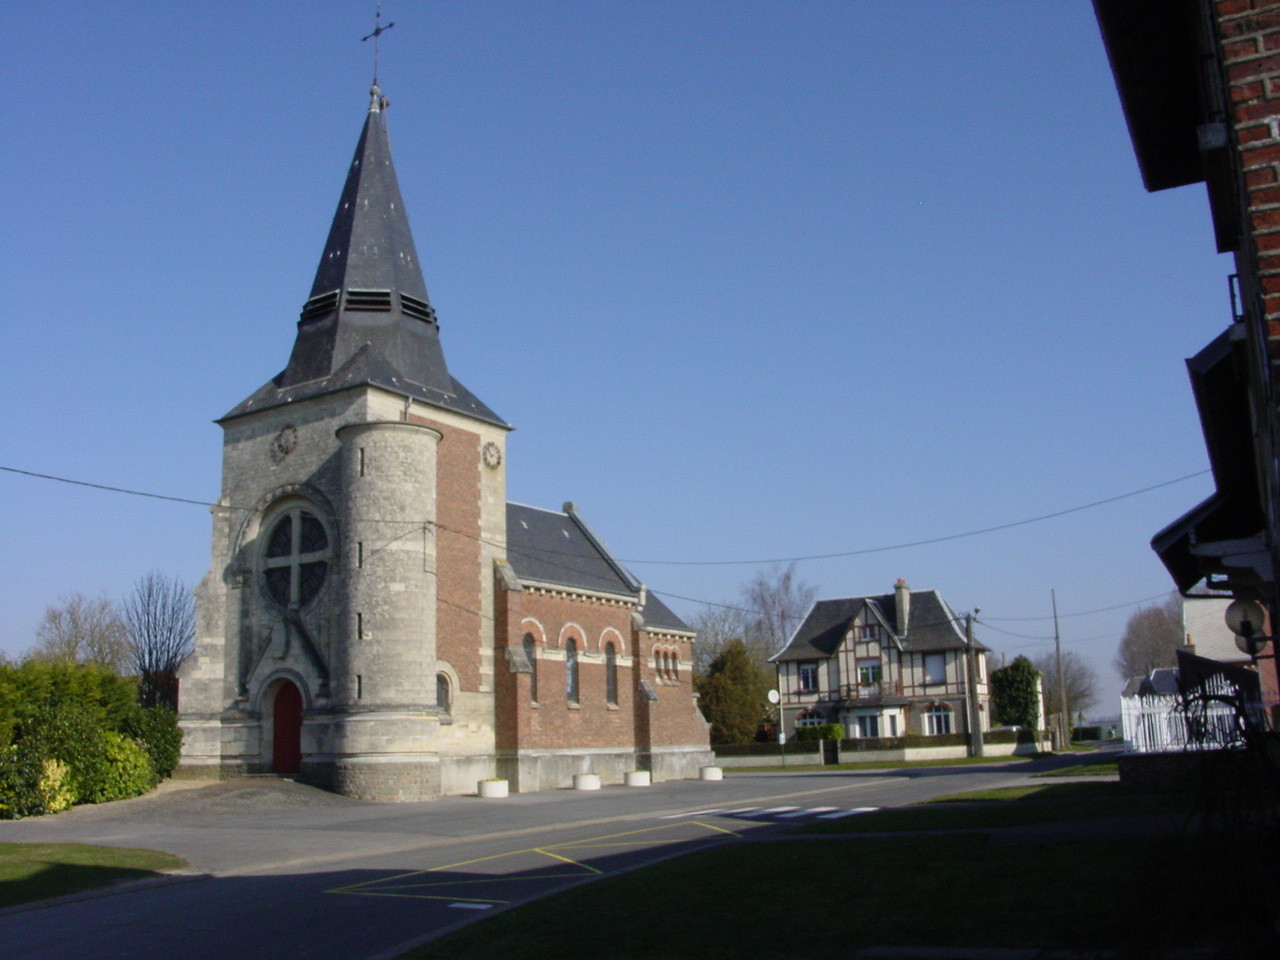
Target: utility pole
column 1064, row 721
column 976, row 746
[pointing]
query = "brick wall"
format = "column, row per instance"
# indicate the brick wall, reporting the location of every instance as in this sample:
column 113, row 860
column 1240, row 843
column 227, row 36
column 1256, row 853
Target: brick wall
column 591, row 722
column 460, row 614
column 1249, row 32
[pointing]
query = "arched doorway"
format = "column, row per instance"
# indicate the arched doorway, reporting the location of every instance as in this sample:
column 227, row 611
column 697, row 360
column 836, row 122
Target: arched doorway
column 286, row 733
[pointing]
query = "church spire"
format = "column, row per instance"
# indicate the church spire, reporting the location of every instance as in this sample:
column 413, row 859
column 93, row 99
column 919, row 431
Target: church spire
column 368, row 320
column 370, row 246
column 368, row 289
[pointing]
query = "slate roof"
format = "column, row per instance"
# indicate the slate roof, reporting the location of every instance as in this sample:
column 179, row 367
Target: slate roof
column 1163, row 682
column 661, row 617
column 931, row 625
column 558, row 548
column 368, row 320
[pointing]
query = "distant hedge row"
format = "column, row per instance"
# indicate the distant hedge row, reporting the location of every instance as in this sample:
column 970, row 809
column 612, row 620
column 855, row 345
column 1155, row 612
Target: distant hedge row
column 72, row 733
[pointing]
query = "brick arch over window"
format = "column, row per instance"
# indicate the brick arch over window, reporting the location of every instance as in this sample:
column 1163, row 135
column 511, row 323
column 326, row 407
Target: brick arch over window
column 610, row 635
column 660, row 662
column 573, row 629
column 533, row 626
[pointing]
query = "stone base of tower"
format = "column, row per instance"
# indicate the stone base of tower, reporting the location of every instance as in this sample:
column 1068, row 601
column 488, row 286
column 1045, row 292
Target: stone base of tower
column 383, row 755
column 378, row 779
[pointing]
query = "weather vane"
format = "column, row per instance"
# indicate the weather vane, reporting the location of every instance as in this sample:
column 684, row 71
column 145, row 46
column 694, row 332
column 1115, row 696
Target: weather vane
column 378, row 29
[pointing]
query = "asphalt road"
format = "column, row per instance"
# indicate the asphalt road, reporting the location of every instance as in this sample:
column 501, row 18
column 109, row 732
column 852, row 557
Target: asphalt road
column 279, row 869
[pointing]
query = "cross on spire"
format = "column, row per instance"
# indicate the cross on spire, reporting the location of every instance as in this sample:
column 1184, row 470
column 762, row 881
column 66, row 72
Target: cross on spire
column 378, row 30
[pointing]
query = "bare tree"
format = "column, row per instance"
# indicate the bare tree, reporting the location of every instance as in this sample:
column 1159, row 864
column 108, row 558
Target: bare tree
column 161, row 617
column 79, row 630
column 717, row 625
column 1150, row 640
column 1080, row 680
column 778, row 601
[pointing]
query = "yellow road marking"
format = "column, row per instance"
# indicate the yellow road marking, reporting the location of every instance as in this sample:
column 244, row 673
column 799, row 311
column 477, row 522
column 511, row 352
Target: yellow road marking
column 387, row 886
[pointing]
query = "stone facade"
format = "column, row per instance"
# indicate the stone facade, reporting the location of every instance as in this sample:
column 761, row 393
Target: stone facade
column 369, row 622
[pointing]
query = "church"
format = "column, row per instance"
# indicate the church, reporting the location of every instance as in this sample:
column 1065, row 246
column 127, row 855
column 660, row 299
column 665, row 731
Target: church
column 377, row 618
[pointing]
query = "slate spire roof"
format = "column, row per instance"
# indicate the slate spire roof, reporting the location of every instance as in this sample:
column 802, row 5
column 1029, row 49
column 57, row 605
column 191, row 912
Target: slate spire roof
column 368, row 319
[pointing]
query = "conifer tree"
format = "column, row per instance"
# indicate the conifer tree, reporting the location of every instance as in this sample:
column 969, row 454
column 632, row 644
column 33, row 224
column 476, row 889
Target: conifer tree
column 733, row 695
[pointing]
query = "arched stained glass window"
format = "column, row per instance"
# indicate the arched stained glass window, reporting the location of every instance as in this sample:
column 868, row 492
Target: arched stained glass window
column 531, row 654
column 571, row 670
column 610, row 673
column 296, row 559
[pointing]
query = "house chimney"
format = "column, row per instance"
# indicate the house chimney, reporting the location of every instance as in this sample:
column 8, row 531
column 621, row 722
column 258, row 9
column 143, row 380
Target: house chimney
column 902, row 602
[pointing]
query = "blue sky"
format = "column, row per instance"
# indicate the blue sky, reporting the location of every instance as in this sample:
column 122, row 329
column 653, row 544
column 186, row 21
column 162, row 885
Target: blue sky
column 753, row 280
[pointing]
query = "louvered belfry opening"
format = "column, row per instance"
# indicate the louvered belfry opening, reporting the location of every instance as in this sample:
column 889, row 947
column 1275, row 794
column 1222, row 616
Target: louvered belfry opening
column 368, row 303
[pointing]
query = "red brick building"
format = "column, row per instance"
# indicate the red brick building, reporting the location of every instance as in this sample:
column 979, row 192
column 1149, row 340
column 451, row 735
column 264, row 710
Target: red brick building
column 1199, row 81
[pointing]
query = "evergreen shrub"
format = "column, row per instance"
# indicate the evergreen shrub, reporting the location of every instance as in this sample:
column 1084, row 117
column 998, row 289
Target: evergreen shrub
column 71, row 733
column 156, row 730
column 126, row 772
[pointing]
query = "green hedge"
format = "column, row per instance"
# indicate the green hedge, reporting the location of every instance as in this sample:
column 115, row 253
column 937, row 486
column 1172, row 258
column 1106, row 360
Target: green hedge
column 800, row 747
column 873, row 743
column 75, row 734
column 1009, row 736
column 822, row 731
column 156, row 731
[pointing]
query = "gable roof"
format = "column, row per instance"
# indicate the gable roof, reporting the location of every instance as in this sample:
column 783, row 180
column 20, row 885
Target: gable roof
column 558, row 548
column 931, row 625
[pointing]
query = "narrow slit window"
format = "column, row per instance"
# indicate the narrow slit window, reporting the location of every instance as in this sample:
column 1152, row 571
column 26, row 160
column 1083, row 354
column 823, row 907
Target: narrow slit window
column 571, row 670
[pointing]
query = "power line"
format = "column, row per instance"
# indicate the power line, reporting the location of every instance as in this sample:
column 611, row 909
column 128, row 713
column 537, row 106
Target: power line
column 418, row 524
column 1082, row 613
column 102, row 486
column 915, row 543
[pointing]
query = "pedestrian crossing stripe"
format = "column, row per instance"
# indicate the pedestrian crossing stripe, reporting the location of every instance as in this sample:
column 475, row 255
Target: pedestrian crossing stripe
column 846, row 813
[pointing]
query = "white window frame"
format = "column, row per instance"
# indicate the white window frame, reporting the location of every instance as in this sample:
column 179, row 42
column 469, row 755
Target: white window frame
column 807, row 669
column 862, row 721
column 937, row 717
column 935, row 676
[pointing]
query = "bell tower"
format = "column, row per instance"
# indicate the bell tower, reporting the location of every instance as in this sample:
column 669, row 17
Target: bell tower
column 319, row 640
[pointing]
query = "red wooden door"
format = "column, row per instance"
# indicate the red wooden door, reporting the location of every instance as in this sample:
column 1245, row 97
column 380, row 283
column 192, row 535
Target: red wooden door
column 286, row 752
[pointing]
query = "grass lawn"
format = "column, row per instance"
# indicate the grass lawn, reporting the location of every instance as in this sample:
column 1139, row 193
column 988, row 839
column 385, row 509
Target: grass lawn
column 37, row 871
column 1011, row 807
column 792, row 898
column 878, row 765
column 1102, row 768
column 797, row 895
